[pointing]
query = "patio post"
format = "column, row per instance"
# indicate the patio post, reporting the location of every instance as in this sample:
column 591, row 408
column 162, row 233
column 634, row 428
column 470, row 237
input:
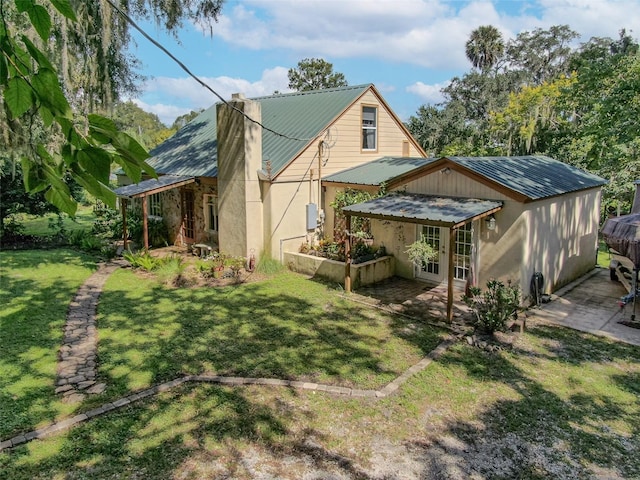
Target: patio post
column 452, row 246
column 123, row 207
column 145, row 223
column 347, row 255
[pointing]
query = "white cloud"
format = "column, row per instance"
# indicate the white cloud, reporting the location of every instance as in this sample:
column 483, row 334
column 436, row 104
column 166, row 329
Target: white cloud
column 430, row 94
column 426, row 33
column 190, row 95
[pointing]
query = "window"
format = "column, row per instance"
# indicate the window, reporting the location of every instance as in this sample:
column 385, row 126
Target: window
column 369, row 127
column 462, row 257
column 211, row 213
column 154, row 205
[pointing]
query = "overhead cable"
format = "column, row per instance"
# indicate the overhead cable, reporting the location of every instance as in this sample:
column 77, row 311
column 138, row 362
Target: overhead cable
column 129, row 20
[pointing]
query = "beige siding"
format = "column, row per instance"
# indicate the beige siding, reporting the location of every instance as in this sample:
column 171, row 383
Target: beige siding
column 347, row 152
column 453, row 184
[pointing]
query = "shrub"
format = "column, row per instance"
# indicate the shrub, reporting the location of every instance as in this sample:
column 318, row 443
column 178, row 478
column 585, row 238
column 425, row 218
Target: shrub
column 268, row 265
column 142, row 260
column 170, row 270
column 493, row 307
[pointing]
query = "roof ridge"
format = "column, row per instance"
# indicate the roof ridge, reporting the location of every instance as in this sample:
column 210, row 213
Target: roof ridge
column 314, row 92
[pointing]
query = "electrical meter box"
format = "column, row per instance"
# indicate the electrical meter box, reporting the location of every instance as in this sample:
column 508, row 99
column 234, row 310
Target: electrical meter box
column 312, row 216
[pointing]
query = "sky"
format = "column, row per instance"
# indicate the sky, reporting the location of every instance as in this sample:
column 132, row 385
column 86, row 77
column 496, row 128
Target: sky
column 409, row 49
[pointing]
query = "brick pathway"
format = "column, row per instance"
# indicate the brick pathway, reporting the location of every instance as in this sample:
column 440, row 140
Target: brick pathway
column 76, row 372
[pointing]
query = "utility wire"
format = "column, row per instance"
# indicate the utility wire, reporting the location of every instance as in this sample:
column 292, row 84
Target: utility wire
column 129, row 20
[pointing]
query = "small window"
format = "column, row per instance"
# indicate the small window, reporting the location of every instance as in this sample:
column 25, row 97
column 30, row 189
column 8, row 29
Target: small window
column 211, row 213
column 369, row 128
column 154, row 205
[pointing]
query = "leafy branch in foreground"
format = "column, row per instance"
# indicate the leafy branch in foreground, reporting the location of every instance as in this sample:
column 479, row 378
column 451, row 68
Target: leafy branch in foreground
column 31, row 90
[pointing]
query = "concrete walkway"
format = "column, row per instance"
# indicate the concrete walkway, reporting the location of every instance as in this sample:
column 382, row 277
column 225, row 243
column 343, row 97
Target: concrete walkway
column 590, row 304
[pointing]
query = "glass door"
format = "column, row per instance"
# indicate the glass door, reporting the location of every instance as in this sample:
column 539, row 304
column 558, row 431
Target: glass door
column 438, row 238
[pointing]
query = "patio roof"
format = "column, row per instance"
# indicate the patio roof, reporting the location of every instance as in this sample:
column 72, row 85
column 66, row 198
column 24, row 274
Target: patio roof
column 425, row 209
column 153, row 185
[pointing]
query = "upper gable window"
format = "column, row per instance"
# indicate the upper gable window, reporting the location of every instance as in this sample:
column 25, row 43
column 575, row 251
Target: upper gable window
column 369, row 128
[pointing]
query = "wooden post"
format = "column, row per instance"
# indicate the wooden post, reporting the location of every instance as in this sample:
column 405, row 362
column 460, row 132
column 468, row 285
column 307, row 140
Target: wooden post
column 347, row 255
column 145, row 223
column 452, row 246
column 123, row 206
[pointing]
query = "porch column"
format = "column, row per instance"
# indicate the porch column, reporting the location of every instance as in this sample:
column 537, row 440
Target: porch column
column 145, row 223
column 452, row 246
column 347, row 255
column 123, row 207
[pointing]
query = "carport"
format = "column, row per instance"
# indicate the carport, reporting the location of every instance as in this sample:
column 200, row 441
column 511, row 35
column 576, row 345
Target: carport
column 440, row 211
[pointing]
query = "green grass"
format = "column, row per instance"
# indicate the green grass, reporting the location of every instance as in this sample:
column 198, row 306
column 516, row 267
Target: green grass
column 39, row 225
column 35, row 290
column 561, row 404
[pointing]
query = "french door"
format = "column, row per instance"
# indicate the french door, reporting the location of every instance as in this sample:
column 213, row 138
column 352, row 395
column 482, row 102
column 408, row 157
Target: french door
column 436, row 270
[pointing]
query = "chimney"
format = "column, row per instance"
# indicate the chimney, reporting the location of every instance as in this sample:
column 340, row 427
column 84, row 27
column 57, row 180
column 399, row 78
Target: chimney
column 239, row 159
column 636, row 199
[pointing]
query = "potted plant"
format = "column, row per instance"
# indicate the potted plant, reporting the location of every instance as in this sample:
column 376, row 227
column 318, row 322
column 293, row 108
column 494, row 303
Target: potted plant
column 421, row 252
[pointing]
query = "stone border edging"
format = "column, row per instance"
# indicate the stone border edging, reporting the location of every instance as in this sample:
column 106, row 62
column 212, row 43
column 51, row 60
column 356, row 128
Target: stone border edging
column 228, row 381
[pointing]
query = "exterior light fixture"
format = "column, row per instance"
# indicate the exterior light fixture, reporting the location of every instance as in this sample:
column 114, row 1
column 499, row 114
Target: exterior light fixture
column 446, row 171
column 491, row 223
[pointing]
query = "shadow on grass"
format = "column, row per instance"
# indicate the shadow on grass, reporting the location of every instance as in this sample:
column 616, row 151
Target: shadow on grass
column 574, row 414
column 252, row 330
column 31, row 329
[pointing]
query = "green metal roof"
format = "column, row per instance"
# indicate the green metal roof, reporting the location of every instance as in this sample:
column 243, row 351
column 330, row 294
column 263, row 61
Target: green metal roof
column 416, row 208
column 163, row 182
column 379, row 171
column 301, row 115
column 534, row 176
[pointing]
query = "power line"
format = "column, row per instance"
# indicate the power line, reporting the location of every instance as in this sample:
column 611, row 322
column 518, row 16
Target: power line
column 129, row 20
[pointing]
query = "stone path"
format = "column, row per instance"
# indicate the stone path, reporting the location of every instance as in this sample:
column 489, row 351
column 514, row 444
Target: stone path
column 76, row 372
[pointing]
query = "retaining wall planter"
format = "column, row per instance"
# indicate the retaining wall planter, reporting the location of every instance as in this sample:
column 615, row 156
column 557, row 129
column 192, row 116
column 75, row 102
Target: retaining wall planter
column 364, row 273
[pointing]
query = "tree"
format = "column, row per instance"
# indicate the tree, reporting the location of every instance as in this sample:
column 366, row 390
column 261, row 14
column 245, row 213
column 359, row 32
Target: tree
column 484, row 47
column 182, row 120
column 542, row 55
column 314, row 74
column 145, row 127
column 87, row 47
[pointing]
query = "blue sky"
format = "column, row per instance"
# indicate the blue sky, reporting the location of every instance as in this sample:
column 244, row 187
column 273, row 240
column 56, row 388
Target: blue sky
column 409, row 49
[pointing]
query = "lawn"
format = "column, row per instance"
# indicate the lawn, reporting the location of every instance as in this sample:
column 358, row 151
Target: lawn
column 561, row 404
column 40, row 225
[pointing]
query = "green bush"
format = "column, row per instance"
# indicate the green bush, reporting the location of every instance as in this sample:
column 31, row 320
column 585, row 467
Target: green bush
column 493, row 307
column 142, row 260
column 170, row 270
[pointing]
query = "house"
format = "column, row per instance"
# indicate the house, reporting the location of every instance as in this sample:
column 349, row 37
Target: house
column 245, row 174
column 489, row 217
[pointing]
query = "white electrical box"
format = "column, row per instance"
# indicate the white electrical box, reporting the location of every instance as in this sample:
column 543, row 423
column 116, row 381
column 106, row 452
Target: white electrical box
column 312, row 216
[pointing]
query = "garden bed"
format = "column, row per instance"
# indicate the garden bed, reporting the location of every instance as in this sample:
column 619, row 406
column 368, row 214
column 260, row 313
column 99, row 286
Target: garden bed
column 364, row 273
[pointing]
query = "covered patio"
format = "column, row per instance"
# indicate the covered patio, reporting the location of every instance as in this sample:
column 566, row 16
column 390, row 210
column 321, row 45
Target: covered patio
column 142, row 191
column 448, row 212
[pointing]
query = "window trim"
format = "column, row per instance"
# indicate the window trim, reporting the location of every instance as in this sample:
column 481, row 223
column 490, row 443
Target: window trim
column 373, row 128
column 205, row 206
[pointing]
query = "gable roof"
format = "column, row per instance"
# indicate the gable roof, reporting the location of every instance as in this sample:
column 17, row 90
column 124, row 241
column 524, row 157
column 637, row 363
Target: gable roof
column 525, row 178
column 193, row 149
column 379, row 171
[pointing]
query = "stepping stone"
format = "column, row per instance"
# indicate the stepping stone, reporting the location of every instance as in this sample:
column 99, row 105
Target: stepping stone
column 97, row 388
column 64, row 388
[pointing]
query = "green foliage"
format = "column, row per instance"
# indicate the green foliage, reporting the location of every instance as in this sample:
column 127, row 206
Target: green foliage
column 495, row 306
column 348, row 197
column 314, row 74
column 145, row 127
column 268, row 266
column 142, row 260
column 170, row 270
column 484, row 47
column 421, row 252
